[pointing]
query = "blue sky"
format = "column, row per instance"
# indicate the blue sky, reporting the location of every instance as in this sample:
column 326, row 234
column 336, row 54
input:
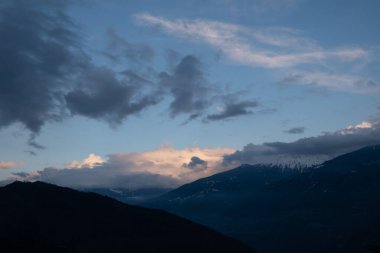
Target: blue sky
column 222, row 75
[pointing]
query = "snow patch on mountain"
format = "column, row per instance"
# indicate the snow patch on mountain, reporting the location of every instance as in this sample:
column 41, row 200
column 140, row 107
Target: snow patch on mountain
column 290, row 161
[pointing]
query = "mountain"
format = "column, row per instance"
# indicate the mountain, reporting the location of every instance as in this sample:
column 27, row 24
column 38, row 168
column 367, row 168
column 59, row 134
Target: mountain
column 127, row 195
column 40, row 217
column 332, row 207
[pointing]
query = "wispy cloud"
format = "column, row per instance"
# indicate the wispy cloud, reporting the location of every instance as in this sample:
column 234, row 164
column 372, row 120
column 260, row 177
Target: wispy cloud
column 9, row 165
column 341, row 82
column 233, row 109
column 295, row 130
column 280, row 48
column 252, row 46
column 119, row 49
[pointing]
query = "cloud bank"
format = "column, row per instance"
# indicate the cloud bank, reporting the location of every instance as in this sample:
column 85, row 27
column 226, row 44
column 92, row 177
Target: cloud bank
column 164, row 167
column 167, row 167
column 310, row 150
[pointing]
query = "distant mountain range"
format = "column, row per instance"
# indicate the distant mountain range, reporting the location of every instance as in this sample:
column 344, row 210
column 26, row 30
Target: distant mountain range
column 130, row 196
column 40, row 217
column 332, row 207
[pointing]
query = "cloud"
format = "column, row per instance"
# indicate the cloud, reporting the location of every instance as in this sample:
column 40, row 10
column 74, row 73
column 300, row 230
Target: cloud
column 161, row 167
column 196, row 163
column 267, row 48
column 276, row 48
column 45, row 73
column 353, row 129
column 21, row 174
column 193, row 94
column 295, row 130
column 168, row 161
column 33, row 143
column 168, row 167
column 90, row 162
column 234, row 109
column 9, row 165
column 119, row 49
column 187, row 85
column 311, row 150
column 38, row 53
column 103, row 96
column 340, row 82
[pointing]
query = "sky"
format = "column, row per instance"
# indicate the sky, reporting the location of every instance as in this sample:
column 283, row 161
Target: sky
column 159, row 93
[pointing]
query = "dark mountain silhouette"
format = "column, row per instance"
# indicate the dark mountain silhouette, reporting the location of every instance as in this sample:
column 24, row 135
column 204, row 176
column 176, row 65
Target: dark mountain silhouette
column 333, row 207
column 40, row 217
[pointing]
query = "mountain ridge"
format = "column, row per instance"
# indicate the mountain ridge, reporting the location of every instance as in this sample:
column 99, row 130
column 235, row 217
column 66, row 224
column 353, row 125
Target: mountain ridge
column 41, row 217
column 333, row 207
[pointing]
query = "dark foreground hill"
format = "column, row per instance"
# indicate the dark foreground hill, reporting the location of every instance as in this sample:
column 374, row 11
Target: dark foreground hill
column 334, row 207
column 39, row 217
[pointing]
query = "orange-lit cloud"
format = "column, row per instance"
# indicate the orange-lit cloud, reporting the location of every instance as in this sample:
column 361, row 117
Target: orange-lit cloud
column 168, row 161
column 90, row 162
column 8, row 165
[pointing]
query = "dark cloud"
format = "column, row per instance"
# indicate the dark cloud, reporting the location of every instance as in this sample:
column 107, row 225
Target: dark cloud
column 119, row 48
column 33, row 143
column 44, row 72
column 295, row 130
column 327, row 145
column 187, row 85
column 191, row 118
column 234, row 109
column 104, row 96
column 196, row 163
column 193, row 94
column 39, row 52
column 21, row 174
